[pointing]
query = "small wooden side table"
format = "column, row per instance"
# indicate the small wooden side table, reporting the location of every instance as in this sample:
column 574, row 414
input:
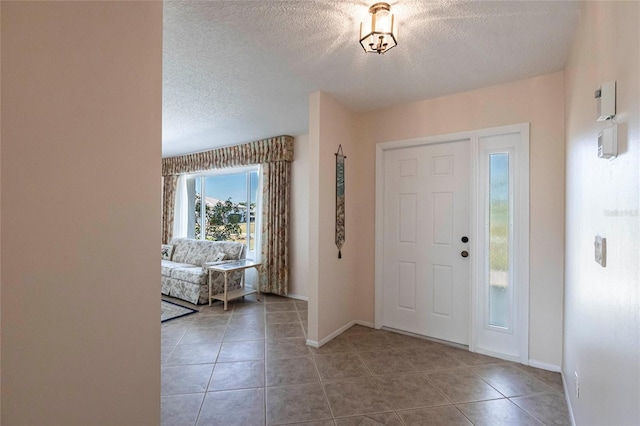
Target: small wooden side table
column 226, row 269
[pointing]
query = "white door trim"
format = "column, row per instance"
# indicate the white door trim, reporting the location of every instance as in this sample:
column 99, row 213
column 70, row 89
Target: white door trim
column 475, row 247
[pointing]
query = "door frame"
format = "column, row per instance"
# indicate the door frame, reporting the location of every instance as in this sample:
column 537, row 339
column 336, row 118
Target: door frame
column 522, row 218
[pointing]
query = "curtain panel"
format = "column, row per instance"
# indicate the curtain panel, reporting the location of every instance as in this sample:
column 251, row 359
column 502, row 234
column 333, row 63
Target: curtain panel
column 169, row 184
column 276, row 188
column 275, row 156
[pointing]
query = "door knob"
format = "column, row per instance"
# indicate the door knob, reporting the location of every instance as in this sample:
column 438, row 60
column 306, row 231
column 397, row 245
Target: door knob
column 465, row 239
column 464, row 253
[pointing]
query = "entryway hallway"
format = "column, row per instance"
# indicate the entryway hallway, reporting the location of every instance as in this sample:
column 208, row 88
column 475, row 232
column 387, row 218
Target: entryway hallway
column 251, row 366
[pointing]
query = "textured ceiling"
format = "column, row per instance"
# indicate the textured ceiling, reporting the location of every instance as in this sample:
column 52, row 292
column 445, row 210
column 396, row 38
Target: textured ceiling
column 237, row 71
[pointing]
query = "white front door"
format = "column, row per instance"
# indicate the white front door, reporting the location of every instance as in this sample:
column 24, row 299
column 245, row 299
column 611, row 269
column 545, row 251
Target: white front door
column 426, row 279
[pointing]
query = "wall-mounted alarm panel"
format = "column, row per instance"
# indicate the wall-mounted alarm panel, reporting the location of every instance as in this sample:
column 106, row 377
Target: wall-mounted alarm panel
column 608, row 142
column 606, row 99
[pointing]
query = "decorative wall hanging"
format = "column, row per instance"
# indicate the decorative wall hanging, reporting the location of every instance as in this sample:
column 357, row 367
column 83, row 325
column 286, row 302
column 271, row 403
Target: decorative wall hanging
column 340, row 209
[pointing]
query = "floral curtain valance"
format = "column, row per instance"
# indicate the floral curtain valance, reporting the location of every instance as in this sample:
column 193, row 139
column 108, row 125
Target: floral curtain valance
column 263, row 151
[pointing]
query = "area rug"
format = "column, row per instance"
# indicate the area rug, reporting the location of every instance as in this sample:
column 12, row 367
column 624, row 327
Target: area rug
column 170, row 310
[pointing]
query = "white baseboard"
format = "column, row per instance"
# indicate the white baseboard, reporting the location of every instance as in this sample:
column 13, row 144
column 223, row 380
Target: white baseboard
column 364, row 323
column 336, row 333
column 499, row 355
column 566, row 397
column 545, row 366
column 531, row 362
column 419, row 336
column 316, row 344
column 313, row 343
column 298, row 297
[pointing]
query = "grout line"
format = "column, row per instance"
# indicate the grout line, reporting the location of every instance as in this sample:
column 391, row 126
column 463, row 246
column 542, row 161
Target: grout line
column 324, row 391
column 304, row 332
column 461, row 412
column 376, row 384
column 424, row 374
column 215, row 362
column 317, row 370
column 199, row 409
column 527, row 411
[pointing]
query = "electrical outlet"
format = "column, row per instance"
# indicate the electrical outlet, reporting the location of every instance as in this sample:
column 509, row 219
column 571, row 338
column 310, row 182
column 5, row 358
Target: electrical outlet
column 577, row 384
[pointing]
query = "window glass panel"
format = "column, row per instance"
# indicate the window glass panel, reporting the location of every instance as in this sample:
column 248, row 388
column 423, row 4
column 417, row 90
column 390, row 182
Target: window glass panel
column 222, row 207
column 226, row 199
column 499, row 291
column 194, row 191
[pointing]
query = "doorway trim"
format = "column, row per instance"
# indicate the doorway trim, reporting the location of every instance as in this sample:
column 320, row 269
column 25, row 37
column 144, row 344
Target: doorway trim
column 522, row 264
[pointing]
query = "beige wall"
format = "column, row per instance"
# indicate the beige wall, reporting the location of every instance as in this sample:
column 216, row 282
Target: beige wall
column 602, row 305
column 539, row 101
column 313, row 247
column 332, row 288
column 0, row 215
column 81, row 142
column 299, row 259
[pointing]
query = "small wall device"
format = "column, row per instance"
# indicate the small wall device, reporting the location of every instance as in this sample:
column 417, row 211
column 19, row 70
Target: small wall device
column 606, row 99
column 600, row 246
column 608, row 142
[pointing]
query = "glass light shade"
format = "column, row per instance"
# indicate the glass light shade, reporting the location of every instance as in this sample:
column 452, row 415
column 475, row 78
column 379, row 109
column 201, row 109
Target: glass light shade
column 379, row 33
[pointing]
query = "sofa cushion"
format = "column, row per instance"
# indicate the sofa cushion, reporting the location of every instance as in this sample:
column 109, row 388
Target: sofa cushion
column 214, row 258
column 197, row 254
column 166, row 251
column 229, row 250
column 215, row 255
column 193, row 274
column 167, row 266
column 182, row 246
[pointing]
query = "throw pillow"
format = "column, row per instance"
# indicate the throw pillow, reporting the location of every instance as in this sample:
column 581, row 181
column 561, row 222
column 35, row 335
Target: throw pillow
column 218, row 258
column 167, row 251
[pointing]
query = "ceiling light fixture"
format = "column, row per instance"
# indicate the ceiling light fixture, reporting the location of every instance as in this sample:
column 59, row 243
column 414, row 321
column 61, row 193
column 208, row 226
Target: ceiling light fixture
column 380, row 33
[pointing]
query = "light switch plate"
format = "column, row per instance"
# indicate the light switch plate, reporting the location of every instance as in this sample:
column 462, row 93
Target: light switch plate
column 600, row 245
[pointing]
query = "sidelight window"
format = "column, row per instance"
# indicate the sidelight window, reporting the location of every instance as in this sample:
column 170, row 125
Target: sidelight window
column 499, row 232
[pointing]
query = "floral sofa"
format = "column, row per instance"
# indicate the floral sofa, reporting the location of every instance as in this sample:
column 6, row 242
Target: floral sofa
column 184, row 268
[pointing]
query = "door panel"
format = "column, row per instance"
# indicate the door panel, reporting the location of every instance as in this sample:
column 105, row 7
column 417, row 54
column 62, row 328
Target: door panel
column 402, row 250
column 426, row 212
column 442, row 290
column 407, row 285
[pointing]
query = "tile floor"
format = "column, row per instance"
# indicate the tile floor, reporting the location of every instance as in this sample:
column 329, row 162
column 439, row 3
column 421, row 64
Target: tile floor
column 250, row 366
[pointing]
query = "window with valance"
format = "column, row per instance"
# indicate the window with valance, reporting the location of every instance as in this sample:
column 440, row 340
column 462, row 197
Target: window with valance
column 274, row 155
